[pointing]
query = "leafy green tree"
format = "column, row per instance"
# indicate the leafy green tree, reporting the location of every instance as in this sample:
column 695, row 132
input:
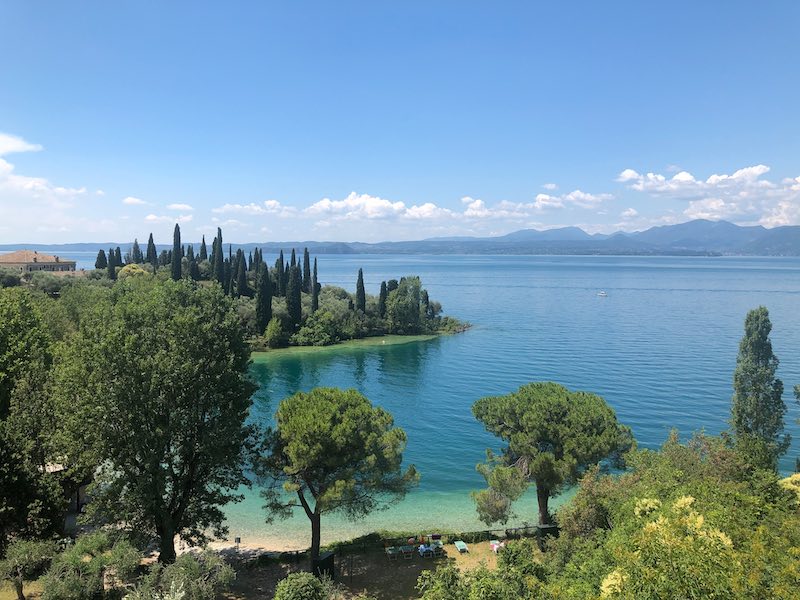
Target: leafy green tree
column 163, row 377
column 306, row 271
column 101, row 262
column 274, row 335
column 314, row 290
column 152, row 253
column 25, row 560
column 335, row 453
column 551, row 435
column 403, row 313
column 758, row 408
column 382, row 300
column 191, row 577
column 361, row 295
column 294, row 304
column 263, row 300
column 176, row 253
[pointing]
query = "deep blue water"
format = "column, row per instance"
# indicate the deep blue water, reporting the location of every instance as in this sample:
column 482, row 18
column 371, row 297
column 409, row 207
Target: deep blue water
column 660, row 348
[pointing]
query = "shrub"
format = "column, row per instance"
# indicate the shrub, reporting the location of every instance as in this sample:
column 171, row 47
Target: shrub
column 300, row 586
column 274, row 335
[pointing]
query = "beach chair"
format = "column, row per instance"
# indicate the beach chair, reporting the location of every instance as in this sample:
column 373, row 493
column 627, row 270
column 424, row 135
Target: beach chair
column 408, row 552
column 461, row 546
column 392, row 552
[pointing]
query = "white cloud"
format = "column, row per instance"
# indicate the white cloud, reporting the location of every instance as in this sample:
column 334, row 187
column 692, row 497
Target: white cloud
column 550, row 186
column 11, row 144
column 268, row 207
column 629, row 213
column 357, row 207
column 133, row 201
column 179, row 207
column 546, row 201
column 152, row 218
column 745, row 196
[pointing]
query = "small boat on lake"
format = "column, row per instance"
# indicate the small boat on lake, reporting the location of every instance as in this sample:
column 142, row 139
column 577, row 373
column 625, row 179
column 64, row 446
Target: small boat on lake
column 602, row 293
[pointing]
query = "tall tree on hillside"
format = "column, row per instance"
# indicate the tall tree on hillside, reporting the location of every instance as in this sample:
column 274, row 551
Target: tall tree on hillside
column 361, row 295
column 101, row 262
column 293, row 261
column 314, row 290
column 219, row 262
column 293, row 297
column 382, row 300
column 306, row 271
column 136, row 253
column 168, row 424
column 176, row 253
column 552, row 435
column 758, row 408
column 203, row 254
column 118, row 256
column 194, row 271
column 337, row 453
column 190, row 252
column 152, row 254
column 279, row 275
column 242, row 289
column 111, row 265
column 226, row 275
column 263, row 300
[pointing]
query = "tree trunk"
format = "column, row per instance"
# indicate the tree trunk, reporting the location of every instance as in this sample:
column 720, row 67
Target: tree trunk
column 315, row 536
column 166, row 544
column 543, row 496
column 18, row 589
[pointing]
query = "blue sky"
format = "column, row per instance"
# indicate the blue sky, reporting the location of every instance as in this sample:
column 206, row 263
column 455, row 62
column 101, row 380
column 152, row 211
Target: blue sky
column 375, row 120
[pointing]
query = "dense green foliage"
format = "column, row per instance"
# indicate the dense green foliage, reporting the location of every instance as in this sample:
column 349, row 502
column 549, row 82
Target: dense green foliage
column 758, row 408
column 332, row 451
column 552, row 434
column 25, row 560
column 161, row 374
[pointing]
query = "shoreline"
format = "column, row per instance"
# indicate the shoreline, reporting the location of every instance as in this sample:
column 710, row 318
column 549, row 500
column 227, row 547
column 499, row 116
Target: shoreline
column 367, row 342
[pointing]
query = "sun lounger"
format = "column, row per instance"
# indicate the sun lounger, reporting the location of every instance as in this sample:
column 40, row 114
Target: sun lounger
column 408, row 552
column 426, row 551
column 392, row 552
column 460, row 546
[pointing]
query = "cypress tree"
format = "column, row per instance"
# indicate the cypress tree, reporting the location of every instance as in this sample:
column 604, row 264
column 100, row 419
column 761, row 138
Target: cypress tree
column 250, row 262
column 176, row 253
column 293, row 261
column 164, row 258
column 382, row 300
column 279, row 275
column 111, row 266
column 314, row 290
column 117, row 257
column 136, row 253
column 101, row 262
column 758, row 408
column 194, row 271
column 361, row 295
column 203, row 249
column 306, row 271
column 152, row 254
column 263, row 300
column 226, row 276
column 190, row 252
column 294, row 304
column 241, row 276
column 391, row 286
column 219, row 265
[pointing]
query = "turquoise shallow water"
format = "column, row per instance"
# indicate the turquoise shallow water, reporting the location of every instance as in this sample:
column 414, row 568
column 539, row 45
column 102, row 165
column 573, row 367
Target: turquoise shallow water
column 661, row 348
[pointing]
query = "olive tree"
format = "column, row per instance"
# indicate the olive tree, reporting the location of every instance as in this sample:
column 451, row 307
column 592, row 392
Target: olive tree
column 552, row 434
column 332, row 451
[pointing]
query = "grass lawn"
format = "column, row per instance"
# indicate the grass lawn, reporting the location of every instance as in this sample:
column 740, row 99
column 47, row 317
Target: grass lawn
column 381, row 340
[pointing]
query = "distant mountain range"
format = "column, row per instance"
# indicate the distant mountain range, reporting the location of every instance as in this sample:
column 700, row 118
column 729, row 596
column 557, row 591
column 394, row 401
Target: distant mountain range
column 694, row 238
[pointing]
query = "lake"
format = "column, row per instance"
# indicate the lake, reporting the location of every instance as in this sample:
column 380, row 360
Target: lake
column 660, row 348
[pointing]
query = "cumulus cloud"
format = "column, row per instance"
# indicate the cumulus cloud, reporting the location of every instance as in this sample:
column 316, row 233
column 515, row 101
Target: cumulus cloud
column 550, row 186
column 744, row 196
column 152, row 218
column 11, row 144
column 268, row 207
column 179, row 206
column 357, row 206
column 629, row 213
column 133, row 201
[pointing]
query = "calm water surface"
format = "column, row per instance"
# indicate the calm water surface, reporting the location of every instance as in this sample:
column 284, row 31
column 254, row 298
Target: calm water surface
column 661, row 348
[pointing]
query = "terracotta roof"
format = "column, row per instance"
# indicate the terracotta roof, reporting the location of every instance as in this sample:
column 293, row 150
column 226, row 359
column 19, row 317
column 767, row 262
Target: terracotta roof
column 30, row 256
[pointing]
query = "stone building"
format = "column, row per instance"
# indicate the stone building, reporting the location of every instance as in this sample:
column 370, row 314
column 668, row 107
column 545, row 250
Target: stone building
column 30, row 261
